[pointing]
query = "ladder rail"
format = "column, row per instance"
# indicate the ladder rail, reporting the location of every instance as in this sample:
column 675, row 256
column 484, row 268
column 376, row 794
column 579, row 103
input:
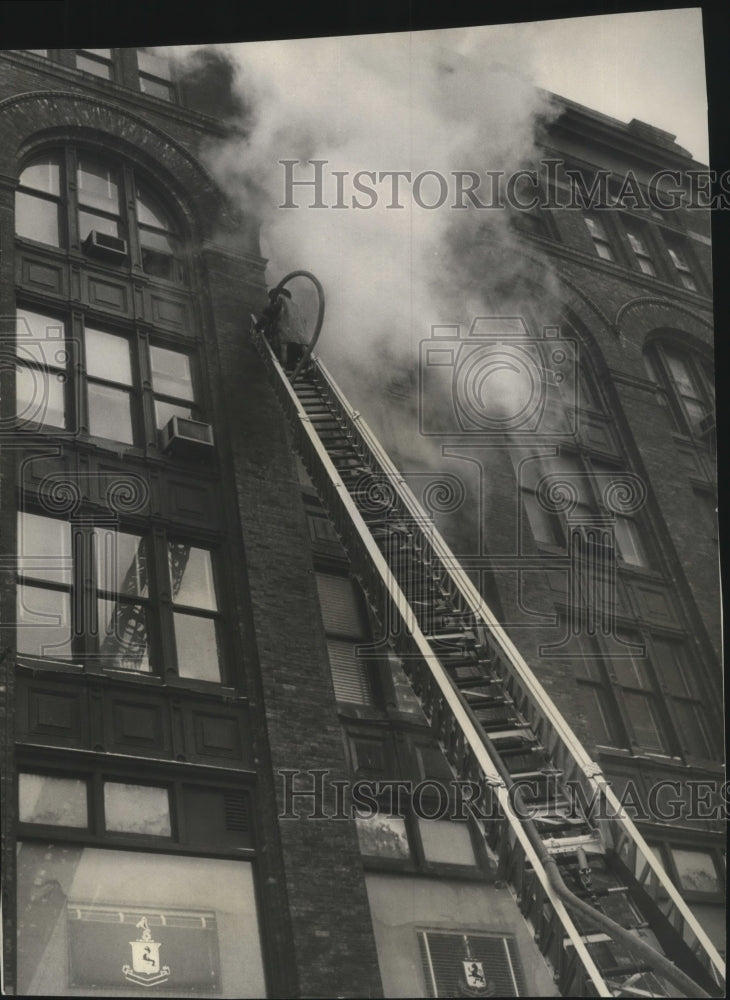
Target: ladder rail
column 475, row 739
column 347, row 516
column 590, row 772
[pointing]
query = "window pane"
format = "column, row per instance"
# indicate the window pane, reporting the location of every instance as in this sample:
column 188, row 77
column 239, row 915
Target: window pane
column 123, row 640
column 693, row 732
column 82, row 906
column 191, row 575
column 44, row 622
column 152, row 64
column 339, row 604
column 673, row 667
column 156, row 88
column 37, row 219
column 350, row 675
column 598, row 716
column 644, row 722
column 197, row 648
column 150, row 213
column 107, row 357
column 40, row 396
column 171, row 375
column 164, row 411
column 136, row 809
column 628, row 542
column 545, row 526
column 696, row 870
column 98, row 186
column 604, row 250
column 44, row 548
column 89, row 222
column 43, row 175
column 121, row 562
column 40, row 338
column 383, row 836
column 57, row 801
column 646, row 266
column 101, row 69
column 446, row 842
column 109, row 413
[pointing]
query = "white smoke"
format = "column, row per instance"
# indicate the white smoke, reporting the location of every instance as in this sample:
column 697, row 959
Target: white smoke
column 456, row 100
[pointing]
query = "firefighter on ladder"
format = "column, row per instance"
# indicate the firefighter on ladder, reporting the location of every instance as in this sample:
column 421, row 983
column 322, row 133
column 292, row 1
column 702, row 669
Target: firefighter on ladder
column 285, row 327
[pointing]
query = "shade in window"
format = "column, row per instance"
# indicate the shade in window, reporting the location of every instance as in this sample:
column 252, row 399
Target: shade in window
column 98, row 194
column 159, row 242
column 195, row 609
column 346, row 631
column 96, row 61
column 52, row 801
column 458, row 964
column 38, row 201
column 81, row 905
column 696, row 870
column 142, row 809
column 598, row 234
column 108, row 385
column 679, row 258
column 383, row 836
column 172, row 384
column 641, row 253
column 41, row 378
column 155, row 77
column 44, row 587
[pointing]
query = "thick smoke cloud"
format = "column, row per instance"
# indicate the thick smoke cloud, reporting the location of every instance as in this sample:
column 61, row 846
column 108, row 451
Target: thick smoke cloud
column 431, row 101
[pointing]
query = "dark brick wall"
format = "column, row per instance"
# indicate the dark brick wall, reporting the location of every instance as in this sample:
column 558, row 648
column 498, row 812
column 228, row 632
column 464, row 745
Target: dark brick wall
column 334, row 949
column 315, row 918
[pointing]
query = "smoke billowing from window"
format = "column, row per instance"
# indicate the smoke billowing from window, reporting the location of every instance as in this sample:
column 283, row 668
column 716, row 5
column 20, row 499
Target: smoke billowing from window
column 437, row 106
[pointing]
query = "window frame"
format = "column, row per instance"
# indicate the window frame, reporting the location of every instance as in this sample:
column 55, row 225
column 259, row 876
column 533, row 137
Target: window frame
column 601, row 673
column 77, row 378
column 85, row 590
column 131, row 178
column 698, row 369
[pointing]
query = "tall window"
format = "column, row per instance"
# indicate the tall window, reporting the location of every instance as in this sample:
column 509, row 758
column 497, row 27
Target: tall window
column 689, row 384
column 586, row 482
column 346, row 629
column 38, row 201
column 96, row 61
column 649, row 701
column 637, row 241
column 108, row 385
column 111, row 599
column 106, row 198
column 98, row 195
column 155, row 76
column 678, row 254
column 598, row 234
column 113, row 373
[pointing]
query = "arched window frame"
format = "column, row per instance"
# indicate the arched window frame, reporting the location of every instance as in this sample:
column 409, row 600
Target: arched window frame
column 685, row 376
column 62, row 205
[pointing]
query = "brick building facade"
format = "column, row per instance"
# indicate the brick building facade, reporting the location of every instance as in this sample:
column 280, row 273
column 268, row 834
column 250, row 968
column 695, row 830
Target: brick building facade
column 187, row 619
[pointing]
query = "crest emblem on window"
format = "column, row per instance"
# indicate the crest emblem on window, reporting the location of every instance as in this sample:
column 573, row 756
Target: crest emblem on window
column 474, row 983
column 146, row 968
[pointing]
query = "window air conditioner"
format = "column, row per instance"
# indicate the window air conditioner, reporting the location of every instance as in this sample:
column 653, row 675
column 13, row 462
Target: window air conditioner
column 105, row 247
column 185, row 438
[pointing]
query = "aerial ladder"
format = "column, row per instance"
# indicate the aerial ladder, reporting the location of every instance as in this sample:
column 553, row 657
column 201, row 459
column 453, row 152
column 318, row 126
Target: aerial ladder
column 604, row 913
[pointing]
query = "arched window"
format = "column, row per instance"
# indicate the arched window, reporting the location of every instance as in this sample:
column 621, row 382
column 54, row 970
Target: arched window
column 688, row 383
column 77, row 199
